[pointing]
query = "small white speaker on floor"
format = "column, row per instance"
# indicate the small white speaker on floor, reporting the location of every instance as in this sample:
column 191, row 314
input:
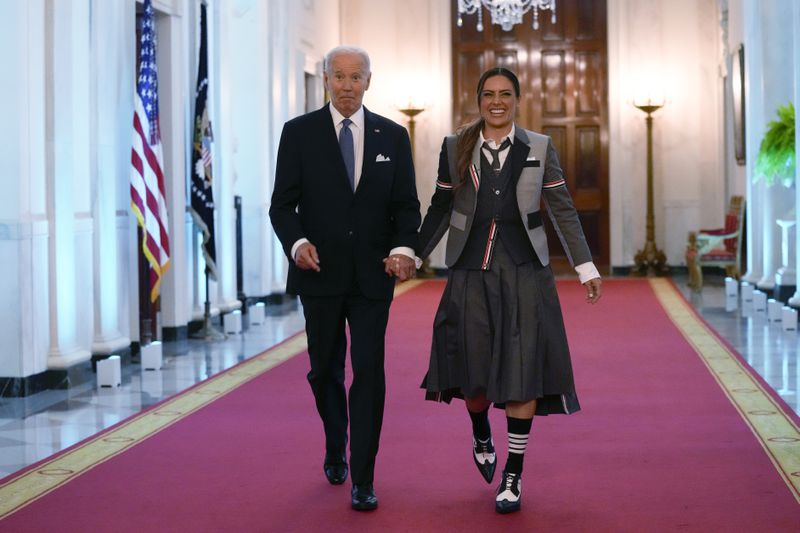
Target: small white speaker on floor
column 747, row 292
column 731, row 288
column 774, row 310
column 759, row 301
column 109, row 372
column 233, row 322
column 152, row 356
column 789, row 319
column 257, row 313
column 731, row 302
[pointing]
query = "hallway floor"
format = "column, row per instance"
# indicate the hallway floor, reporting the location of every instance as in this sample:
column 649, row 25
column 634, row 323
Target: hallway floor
column 40, row 425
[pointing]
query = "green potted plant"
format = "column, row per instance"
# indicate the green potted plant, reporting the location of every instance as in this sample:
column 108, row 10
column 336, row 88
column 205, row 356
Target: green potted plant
column 776, row 157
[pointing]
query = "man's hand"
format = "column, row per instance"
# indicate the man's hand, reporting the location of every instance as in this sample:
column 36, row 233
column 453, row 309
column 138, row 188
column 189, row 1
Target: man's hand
column 593, row 290
column 401, row 266
column 306, row 257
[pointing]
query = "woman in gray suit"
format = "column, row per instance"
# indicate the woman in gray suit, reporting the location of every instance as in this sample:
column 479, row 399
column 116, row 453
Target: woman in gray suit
column 498, row 334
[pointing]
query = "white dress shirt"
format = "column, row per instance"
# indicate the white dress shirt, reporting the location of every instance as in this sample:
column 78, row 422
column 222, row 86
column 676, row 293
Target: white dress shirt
column 494, row 146
column 357, row 129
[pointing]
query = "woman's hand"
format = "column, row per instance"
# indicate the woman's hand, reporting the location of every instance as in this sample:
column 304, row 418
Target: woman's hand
column 593, row 290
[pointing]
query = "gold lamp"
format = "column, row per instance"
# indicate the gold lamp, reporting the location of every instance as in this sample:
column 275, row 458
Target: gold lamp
column 650, row 260
column 411, row 109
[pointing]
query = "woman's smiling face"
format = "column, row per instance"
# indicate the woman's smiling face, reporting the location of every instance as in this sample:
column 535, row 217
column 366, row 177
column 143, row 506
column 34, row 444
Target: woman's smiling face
column 498, row 102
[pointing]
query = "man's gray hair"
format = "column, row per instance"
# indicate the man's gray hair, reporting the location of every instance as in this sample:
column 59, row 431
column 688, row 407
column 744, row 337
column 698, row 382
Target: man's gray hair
column 346, row 49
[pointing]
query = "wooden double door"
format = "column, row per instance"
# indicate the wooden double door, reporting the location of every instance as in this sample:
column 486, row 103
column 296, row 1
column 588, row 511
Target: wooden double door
column 563, row 74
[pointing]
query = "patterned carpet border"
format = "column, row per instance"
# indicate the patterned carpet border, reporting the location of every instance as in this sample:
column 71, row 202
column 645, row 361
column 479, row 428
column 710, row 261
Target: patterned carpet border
column 774, row 429
column 65, row 466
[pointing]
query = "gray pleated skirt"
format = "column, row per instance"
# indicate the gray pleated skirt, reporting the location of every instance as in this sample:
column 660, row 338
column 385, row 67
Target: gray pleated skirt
column 500, row 333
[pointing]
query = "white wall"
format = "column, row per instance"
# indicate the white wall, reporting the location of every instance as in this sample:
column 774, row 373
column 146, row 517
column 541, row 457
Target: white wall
column 674, row 45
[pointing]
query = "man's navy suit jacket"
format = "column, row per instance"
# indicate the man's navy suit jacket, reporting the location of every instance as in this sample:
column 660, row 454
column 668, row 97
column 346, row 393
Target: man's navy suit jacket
column 352, row 231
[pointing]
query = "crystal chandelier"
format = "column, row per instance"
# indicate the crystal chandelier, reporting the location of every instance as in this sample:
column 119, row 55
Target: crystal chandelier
column 505, row 13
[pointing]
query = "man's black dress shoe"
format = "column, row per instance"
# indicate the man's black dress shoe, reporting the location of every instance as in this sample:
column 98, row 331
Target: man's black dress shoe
column 485, row 458
column 335, row 467
column 364, row 498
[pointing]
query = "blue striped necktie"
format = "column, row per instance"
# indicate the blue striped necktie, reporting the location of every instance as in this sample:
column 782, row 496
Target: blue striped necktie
column 346, row 146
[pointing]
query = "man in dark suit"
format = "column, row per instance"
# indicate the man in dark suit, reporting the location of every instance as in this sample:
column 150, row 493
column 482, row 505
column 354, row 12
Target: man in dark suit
column 345, row 209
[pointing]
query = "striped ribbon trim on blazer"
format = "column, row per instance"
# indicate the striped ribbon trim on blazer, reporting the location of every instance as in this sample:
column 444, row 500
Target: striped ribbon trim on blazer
column 554, row 184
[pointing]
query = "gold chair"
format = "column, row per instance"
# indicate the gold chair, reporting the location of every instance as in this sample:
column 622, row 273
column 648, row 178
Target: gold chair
column 719, row 247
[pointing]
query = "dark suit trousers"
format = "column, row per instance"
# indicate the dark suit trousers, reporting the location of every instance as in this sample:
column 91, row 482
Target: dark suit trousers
column 327, row 346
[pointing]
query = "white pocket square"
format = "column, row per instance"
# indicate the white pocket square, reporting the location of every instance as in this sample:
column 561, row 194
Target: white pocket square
column 531, row 158
column 381, row 158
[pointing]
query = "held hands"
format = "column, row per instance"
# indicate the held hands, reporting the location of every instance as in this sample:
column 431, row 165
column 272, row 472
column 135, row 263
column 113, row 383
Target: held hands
column 593, row 290
column 401, row 266
column 306, row 257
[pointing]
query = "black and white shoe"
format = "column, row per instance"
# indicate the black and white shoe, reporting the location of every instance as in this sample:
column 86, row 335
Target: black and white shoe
column 485, row 458
column 508, row 493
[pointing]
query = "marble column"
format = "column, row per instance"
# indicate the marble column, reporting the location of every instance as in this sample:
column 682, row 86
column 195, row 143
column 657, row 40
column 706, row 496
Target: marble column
column 68, row 142
column 24, row 318
column 222, row 98
column 777, row 82
column 175, row 57
column 754, row 112
column 112, row 94
column 794, row 301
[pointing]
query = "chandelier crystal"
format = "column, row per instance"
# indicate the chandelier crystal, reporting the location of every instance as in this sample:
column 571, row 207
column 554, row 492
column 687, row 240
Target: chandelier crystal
column 505, row 13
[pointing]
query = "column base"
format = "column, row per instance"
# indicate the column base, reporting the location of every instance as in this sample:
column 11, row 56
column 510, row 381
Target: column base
column 21, row 387
column 62, row 360
column 794, row 301
column 110, row 346
column 766, row 284
column 230, row 305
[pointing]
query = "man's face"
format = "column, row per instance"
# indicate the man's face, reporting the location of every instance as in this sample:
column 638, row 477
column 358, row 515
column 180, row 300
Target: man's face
column 346, row 82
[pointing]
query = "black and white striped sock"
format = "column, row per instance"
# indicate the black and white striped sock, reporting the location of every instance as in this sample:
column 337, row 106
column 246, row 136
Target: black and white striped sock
column 518, row 431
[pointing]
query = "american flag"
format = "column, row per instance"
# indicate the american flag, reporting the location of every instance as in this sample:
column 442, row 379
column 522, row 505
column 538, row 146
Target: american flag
column 147, row 178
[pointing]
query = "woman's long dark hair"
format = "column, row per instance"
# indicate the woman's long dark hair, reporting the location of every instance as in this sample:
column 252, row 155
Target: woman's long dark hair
column 468, row 134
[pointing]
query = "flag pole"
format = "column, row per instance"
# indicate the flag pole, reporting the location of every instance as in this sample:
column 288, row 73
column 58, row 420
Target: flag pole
column 208, row 331
column 202, row 198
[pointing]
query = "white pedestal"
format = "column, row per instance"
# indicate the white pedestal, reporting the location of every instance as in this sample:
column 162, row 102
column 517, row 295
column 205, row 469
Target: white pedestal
column 747, row 292
column 731, row 288
column 786, row 274
column 257, row 313
column 774, row 308
column 152, row 356
column 233, row 322
column 789, row 319
column 759, row 301
column 109, row 372
column 731, row 302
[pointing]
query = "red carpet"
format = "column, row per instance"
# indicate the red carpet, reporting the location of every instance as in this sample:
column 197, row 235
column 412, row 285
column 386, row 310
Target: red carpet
column 657, row 447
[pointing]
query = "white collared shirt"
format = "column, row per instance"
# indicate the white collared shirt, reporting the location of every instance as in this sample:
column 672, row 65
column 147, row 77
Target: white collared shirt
column 494, row 146
column 357, row 129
